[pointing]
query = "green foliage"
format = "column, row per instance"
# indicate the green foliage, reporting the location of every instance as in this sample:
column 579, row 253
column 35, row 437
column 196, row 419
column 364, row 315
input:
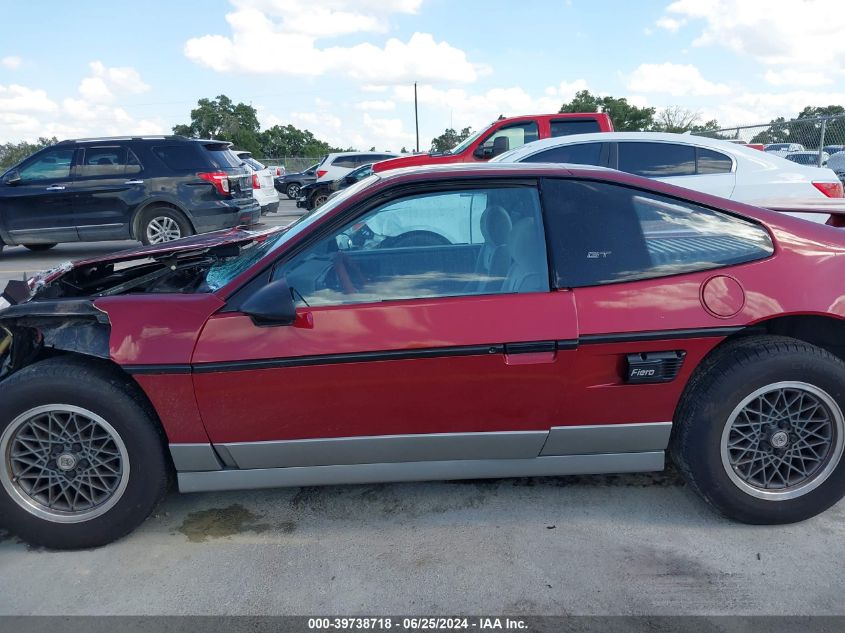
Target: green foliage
column 449, row 139
column 625, row 117
column 287, row 140
column 804, row 131
column 222, row 119
column 13, row 153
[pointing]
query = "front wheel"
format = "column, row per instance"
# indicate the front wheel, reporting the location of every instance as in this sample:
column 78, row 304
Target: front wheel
column 81, row 461
column 760, row 430
column 292, row 191
column 319, row 200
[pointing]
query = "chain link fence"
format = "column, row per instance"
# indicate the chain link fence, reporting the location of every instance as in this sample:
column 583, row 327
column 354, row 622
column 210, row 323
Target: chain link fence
column 291, row 163
column 819, row 137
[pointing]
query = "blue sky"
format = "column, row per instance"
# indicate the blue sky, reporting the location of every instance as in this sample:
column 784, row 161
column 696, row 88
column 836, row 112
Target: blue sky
column 344, row 68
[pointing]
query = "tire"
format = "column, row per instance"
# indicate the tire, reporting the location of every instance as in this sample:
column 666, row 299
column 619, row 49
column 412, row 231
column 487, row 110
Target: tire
column 163, row 224
column 292, row 191
column 39, row 247
column 319, row 200
column 750, row 410
column 131, row 444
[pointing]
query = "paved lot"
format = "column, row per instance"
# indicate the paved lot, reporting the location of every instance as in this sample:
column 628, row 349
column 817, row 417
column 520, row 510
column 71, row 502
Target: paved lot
column 17, row 262
column 639, row 544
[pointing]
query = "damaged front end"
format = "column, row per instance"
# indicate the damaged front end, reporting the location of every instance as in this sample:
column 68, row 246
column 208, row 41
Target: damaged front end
column 36, row 330
column 56, row 311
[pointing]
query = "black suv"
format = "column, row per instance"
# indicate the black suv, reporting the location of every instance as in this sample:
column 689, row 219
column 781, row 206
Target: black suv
column 153, row 189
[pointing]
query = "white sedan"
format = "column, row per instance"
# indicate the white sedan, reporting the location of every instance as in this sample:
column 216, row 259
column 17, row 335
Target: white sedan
column 263, row 187
column 709, row 165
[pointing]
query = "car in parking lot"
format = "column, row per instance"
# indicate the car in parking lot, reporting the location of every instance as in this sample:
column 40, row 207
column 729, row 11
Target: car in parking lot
column 695, row 162
column 263, row 189
column 338, row 164
column 317, row 193
column 782, row 149
column 506, row 134
column 291, row 183
column 452, row 322
column 152, row 189
column 809, row 158
column 837, row 164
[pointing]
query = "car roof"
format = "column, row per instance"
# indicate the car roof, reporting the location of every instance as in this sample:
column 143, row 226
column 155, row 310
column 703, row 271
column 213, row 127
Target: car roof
column 489, row 170
column 751, row 158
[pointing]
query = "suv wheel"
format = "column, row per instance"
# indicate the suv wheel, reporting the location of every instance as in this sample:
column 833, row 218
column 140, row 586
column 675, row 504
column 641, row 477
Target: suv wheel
column 163, row 224
column 39, row 247
column 292, row 191
column 760, row 431
column 81, row 461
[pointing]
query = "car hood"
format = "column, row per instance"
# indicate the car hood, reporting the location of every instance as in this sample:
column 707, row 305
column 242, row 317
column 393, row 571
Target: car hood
column 196, row 244
column 412, row 161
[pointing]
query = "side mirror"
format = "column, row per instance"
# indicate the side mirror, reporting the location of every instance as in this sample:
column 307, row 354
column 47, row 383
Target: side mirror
column 501, row 144
column 271, row 305
column 12, row 178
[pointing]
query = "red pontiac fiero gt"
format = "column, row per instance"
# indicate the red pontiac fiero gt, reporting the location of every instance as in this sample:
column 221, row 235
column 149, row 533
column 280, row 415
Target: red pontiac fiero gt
column 453, row 322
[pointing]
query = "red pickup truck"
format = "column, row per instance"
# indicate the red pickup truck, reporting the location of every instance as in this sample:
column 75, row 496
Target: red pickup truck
column 506, row 134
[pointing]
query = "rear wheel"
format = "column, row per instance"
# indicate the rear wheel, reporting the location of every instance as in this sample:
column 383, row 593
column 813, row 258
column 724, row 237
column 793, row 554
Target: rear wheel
column 760, row 431
column 163, row 224
column 39, row 247
column 292, row 191
column 81, row 461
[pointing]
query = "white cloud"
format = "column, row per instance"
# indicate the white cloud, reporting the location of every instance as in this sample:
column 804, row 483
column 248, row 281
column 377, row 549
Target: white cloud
column 21, row 99
column 799, row 34
column 759, row 107
column 378, row 105
column 11, row 62
column 105, row 84
column 28, row 113
column 674, row 79
column 670, row 24
column 278, row 31
column 791, row 77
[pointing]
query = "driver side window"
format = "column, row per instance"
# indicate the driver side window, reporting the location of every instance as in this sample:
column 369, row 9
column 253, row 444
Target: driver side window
column 54, row 164
column 454, row 243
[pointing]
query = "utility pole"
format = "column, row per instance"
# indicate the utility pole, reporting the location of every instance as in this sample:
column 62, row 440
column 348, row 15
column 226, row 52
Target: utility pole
column 416, row 117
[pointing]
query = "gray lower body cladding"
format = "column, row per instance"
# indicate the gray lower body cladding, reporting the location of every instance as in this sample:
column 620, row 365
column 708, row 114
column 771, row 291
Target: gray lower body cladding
column 567, row 450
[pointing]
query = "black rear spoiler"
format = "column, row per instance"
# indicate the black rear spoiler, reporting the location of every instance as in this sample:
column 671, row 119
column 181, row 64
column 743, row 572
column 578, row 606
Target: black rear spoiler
column 834, row 207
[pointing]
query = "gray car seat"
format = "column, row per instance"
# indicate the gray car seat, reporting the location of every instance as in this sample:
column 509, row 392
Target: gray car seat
column 527, row 272
column 494, row 259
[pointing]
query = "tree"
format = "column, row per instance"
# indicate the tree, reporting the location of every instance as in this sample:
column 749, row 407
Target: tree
column 804, row 129
column 287, row 140
column 810, row 132
column 13, row 153
column 222, row 119
column 449, row 139
column 679, row 120
column 625, row 117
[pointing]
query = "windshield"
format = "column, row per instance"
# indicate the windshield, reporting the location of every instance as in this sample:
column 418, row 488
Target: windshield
column 466, row 142
column 254, row 164
column 223, row 272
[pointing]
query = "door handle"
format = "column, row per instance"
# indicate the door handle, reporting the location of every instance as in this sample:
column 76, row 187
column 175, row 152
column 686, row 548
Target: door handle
column 56, row 188
column 134, row 182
